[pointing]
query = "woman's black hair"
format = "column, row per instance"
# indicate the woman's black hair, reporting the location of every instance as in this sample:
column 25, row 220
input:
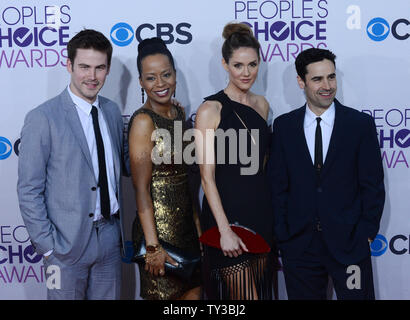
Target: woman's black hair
column 151, row 46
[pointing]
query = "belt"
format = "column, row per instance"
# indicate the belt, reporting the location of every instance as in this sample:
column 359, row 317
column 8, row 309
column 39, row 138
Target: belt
column 103, row 220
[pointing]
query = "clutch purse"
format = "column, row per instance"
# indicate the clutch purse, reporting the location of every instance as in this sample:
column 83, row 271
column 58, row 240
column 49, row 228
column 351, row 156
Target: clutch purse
column 187, row 261
column 253, row 241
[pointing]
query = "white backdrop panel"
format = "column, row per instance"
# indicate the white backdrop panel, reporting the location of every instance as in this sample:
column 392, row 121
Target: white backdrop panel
column 372, row 77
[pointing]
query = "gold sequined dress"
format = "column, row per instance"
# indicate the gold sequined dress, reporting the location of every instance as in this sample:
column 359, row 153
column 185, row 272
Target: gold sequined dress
column 172, row 202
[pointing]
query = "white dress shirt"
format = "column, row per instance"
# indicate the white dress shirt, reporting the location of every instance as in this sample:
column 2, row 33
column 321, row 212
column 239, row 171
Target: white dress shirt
column 326, row 125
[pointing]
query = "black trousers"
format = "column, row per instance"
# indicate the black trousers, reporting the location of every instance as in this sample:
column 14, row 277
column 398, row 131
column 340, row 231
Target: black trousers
column 307, row 276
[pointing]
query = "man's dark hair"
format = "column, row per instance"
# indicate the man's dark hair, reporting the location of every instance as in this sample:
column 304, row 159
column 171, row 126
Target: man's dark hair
column 89, row 39
column 309, row 56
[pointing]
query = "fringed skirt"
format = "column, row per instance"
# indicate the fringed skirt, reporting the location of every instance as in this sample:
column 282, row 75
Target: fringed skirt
column 250, row 279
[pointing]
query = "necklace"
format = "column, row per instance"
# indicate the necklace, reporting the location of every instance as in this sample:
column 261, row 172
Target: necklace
column 243, row 123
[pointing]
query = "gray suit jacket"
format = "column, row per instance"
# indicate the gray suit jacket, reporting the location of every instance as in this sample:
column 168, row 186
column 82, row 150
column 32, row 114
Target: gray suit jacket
column 56, row 182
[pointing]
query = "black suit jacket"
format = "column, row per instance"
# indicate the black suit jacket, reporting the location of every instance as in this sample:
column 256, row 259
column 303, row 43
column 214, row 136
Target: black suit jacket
column 349, row 196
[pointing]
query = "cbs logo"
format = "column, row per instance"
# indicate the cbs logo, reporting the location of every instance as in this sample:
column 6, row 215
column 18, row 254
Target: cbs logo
column 122, row 34
column 379, row 246
column 378, row 29
column 398, row 245
column 5, row 148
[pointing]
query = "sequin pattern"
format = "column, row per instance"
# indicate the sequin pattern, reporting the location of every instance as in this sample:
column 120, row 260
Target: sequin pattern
column 173, row 211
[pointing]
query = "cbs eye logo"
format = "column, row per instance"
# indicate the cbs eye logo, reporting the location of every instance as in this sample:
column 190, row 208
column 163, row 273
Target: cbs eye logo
column 5, row 148
column 378, row 246
column 122, row 34
column 378, row 29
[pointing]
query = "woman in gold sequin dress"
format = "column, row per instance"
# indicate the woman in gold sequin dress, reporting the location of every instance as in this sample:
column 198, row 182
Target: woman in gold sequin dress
column 165, row 209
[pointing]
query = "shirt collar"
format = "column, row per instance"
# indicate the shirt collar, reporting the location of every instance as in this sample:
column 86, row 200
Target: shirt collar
column 328, row 117
column 83, row 105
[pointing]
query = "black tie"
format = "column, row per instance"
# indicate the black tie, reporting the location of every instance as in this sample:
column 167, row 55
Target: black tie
column 102, row 177
column 318, row 146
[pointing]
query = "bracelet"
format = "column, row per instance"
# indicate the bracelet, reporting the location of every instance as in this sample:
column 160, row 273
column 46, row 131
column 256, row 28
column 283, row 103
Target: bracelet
column 152, row 248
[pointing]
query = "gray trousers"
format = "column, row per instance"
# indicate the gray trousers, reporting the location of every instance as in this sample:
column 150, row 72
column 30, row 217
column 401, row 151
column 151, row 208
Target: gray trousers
column 97, row 275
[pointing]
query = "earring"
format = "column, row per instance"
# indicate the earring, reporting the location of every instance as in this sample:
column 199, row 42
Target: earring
column 142, row 94
column 175, row 92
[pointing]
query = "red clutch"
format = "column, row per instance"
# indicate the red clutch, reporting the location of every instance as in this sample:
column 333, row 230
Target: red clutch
column 253, row 241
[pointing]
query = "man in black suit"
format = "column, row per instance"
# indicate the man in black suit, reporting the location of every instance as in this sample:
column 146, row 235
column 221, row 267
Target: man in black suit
column 327, row 184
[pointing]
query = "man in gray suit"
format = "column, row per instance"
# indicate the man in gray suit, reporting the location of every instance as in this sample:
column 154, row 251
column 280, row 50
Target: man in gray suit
column 69, row 178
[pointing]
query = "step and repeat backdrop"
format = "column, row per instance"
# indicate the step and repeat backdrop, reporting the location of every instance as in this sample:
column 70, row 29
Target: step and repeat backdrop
column 371, row 39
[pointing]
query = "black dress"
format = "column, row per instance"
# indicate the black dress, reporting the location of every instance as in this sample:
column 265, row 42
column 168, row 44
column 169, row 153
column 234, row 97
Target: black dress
column 246, row 201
